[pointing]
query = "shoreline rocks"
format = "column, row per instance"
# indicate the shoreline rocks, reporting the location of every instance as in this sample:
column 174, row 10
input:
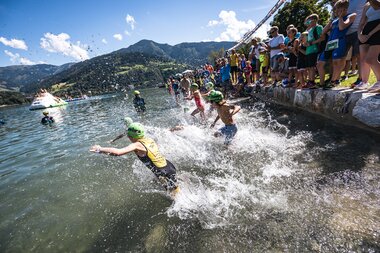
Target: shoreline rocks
column 345, row 106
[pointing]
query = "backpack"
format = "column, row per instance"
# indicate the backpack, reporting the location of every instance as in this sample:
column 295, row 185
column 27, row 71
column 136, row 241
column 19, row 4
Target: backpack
column 321, row 45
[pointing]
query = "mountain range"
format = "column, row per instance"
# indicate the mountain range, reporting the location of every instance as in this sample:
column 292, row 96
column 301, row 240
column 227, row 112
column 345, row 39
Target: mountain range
column 145, row 63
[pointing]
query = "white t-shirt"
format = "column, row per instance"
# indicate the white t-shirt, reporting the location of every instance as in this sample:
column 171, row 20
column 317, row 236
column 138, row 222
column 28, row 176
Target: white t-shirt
column 356, row 6
column 275, row 42
column 256, row 49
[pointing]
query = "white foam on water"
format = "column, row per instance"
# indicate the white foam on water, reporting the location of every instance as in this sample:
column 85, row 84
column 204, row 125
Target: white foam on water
column 217, row 187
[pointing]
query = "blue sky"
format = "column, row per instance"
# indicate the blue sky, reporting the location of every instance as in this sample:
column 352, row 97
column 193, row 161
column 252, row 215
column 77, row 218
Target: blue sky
column 61, row 31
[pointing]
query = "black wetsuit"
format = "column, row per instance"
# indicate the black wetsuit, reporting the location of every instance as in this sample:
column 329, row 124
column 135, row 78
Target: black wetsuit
column 47, row 120
column 139, row 104
column 167, row 171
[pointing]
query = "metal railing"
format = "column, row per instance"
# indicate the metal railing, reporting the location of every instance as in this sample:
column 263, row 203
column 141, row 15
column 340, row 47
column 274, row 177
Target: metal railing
column 249, row 34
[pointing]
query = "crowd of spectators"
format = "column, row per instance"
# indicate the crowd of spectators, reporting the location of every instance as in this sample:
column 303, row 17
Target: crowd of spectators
column 348, row 44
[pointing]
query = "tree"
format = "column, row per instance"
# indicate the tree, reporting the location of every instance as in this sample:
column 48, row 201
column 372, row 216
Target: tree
column 214, row 55
column 244, row 49
column 295, row 12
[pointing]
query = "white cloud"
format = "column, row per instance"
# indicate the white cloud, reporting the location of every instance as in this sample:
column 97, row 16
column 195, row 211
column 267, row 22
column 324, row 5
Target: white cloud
column 212, row 23
column 17, row 59
column 262, row 32
column 61, row 44
column 104, row 41
column 14, row 57
column 234, row 28
column 127, row 33
column 18, row 44
column 25, row 61
column 118, row 36
column 131, row 21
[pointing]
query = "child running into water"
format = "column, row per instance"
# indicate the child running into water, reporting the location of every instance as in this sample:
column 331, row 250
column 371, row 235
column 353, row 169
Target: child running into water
column 147, row 151
column 225, row 113
column 194, row 88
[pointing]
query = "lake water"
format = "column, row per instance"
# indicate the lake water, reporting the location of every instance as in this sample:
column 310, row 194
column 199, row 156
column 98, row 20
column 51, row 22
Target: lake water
column 289, row 182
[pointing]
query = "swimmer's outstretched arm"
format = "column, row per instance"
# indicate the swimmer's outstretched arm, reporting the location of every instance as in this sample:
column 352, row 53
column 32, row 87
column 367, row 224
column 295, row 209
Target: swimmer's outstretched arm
column 118, row 151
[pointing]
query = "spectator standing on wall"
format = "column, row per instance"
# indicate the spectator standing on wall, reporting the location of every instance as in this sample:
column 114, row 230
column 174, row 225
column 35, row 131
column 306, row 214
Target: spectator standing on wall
column 301, row 61
column 314, row 33
column 234, row 63
column 254, row 57
column 336, row 44
column 275, row 45
column 291, row 46
column 226, row 78
column 369, row 37
column 355, row 6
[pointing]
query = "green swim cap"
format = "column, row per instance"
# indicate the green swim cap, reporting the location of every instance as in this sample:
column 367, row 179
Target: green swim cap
column 136, row 130
column 209, row 86
column 136, row 92
column 128, row 121
column 215, row 96
column 194, row 85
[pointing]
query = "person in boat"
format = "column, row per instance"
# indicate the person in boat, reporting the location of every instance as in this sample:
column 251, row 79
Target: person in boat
column 225, row 113
column 147, row 151
column 46, row 120
column 138, row 102
column 127, row 122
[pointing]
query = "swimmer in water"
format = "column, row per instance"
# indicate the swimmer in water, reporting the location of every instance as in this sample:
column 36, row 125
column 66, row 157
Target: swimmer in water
column 127, row 122
column 225, row 113
column 147, row 151
column 47, row 120
column 138, row 102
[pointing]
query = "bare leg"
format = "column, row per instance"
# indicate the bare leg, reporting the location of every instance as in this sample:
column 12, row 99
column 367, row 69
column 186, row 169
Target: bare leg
column 347, row 67
column 372, row 60
column 195, row 112
column 203, row 116
column 321, row 71
column 338, row 66
column 365, row 68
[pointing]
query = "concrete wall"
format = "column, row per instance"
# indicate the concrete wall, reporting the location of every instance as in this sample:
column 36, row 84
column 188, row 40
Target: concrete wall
column 343, row 105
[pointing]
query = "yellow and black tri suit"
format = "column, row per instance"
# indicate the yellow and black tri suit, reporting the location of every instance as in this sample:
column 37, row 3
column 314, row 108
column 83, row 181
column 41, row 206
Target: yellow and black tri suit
column 157, row 163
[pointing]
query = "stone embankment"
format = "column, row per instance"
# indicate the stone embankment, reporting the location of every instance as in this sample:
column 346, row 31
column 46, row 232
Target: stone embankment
column 345, row 106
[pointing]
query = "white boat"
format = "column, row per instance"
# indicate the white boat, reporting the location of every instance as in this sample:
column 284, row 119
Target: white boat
column 46, row 100
column 76, row 99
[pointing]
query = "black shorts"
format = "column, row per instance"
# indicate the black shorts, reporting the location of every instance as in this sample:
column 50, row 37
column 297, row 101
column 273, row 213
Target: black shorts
column 292, row 61
column 311, row 60
column 254, row 67
column 352, row 41
column 375, row 38
column 301, row 61
column 234, row 69
column 168, row 173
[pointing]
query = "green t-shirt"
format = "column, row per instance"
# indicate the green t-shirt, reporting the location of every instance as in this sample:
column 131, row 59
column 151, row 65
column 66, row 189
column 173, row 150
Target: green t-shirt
column 310, row 37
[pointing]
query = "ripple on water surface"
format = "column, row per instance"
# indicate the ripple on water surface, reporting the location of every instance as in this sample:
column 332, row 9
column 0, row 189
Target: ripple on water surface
column 289, row 182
